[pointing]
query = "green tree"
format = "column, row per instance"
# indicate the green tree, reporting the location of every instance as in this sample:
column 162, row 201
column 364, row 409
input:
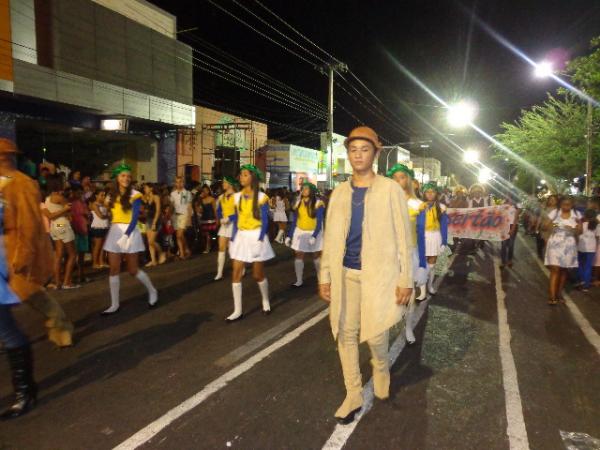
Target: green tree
column 585, row 70
column 551, row 137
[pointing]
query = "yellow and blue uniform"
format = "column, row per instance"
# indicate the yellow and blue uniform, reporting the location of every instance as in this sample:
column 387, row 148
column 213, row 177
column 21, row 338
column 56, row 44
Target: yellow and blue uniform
column 130, row 216
column 244, row 218
column 435, row 223
column 302, row 219
column 226, row 206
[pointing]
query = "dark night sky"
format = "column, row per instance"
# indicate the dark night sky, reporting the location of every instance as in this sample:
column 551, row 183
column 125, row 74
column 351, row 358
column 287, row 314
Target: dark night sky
column 436, row 40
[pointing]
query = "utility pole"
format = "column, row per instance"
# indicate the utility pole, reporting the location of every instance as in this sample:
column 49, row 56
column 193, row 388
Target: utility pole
column 588, row 160
column 330, row 69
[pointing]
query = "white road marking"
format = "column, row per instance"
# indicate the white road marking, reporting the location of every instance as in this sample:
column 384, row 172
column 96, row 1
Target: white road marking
column 516, row 430
column 586, row 327
column 254, row 344
column 342, row 433
column 151, row 430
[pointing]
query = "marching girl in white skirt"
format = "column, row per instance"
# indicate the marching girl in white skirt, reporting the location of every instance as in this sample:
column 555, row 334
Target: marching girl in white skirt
column 306, row 231
column 250, row 240
column 124, row 239
column 436, row 230
column 404, row 176
column 225, row 214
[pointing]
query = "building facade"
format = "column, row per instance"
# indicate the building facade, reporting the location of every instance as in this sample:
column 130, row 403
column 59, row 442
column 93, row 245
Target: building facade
column 218, row 145
column 90, row 83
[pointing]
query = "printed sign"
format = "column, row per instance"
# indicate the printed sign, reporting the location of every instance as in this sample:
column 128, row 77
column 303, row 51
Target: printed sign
column 488, row 224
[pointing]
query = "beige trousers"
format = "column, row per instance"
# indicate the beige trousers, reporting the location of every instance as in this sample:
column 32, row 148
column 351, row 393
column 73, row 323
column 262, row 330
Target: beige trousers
column 348, row 341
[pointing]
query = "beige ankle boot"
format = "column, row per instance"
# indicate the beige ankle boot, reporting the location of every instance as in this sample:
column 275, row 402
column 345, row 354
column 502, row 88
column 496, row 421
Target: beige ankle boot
column 381, row 380
column 352, row 403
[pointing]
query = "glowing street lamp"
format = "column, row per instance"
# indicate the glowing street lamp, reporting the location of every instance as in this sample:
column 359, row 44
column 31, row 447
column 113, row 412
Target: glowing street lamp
column 543, row 69
column 471, row 156
column 461, row 114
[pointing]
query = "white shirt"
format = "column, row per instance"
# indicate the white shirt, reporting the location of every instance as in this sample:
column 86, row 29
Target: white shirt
column 588, row 240
column 180, row 201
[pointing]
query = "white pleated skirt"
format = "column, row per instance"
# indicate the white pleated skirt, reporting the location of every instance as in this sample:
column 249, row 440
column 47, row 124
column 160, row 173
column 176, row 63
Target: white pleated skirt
column 433, row 242
column 301, row 241
column 226, row 230
column 247, row 248
column 419, row 273
column 136, row 243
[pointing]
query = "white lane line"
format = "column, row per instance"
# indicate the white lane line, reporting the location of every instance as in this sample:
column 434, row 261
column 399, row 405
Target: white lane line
column 151, row 430
column 516, row 430
column 586, row 327
column 259, row 341
column 342, row 433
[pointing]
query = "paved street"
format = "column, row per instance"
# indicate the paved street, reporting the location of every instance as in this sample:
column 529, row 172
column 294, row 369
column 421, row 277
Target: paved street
column 274, row 382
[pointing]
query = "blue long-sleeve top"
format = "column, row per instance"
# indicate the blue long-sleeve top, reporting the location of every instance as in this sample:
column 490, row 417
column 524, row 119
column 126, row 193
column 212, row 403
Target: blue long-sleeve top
column 219, row 211
column 135, row 215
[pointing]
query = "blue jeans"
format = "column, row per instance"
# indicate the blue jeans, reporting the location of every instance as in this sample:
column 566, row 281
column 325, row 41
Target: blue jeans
column 586, row 265
column 10, row 334
column 508, row 249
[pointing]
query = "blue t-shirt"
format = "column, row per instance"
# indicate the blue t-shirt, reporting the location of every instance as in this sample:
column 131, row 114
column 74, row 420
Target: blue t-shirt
column 354, row 238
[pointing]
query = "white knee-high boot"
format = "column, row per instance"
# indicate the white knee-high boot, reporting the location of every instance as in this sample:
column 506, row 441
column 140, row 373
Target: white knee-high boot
column 264, row 292
column 299, row 268
column 431, row 279
column 237, row 302
column 114, row 283
column 152, row 292
column 220, row 265
column 317, row 262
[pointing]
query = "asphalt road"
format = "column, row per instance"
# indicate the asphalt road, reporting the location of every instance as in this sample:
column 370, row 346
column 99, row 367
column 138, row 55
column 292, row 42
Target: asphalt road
column 179, row 377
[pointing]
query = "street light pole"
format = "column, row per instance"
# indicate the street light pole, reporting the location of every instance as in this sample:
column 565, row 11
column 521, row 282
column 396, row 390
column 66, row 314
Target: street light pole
column 330, row 126
column 588, row 160
column 331, row 68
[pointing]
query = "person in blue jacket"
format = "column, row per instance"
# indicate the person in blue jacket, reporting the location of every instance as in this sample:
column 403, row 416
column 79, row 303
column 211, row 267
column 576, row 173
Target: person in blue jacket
column 305, row 235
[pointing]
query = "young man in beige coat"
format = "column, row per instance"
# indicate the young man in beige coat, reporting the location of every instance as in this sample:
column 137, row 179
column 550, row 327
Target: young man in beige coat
column 366, row 267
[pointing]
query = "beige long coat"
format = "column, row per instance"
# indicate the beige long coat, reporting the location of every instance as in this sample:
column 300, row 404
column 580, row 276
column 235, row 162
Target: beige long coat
column 386, row 261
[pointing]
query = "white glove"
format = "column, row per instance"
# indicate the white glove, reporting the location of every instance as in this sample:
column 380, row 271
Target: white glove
column 225, row 220
column 443, row 248
column 123, row 242
column 312, row 240
column 288, row 241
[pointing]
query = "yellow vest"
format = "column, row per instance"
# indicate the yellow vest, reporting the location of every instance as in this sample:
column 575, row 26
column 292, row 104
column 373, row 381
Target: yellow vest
column 304, row 221
column 227, row 205
column 244, row 206
column 432, row 221
column 120, row 216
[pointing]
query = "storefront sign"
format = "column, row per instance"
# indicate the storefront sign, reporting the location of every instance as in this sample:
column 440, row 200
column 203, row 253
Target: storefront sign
column 303, row 159
column 489, row 224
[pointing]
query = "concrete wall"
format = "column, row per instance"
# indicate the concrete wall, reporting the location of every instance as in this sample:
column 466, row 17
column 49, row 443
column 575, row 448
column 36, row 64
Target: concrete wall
column 49, row 84
column 145, row 14
column 94, row 42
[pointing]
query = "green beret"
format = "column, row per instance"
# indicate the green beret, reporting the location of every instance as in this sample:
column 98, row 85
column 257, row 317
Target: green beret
column 401, row 168
column 431, row 185
column 120, row 169
column 311, row 186
column 255, row 170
